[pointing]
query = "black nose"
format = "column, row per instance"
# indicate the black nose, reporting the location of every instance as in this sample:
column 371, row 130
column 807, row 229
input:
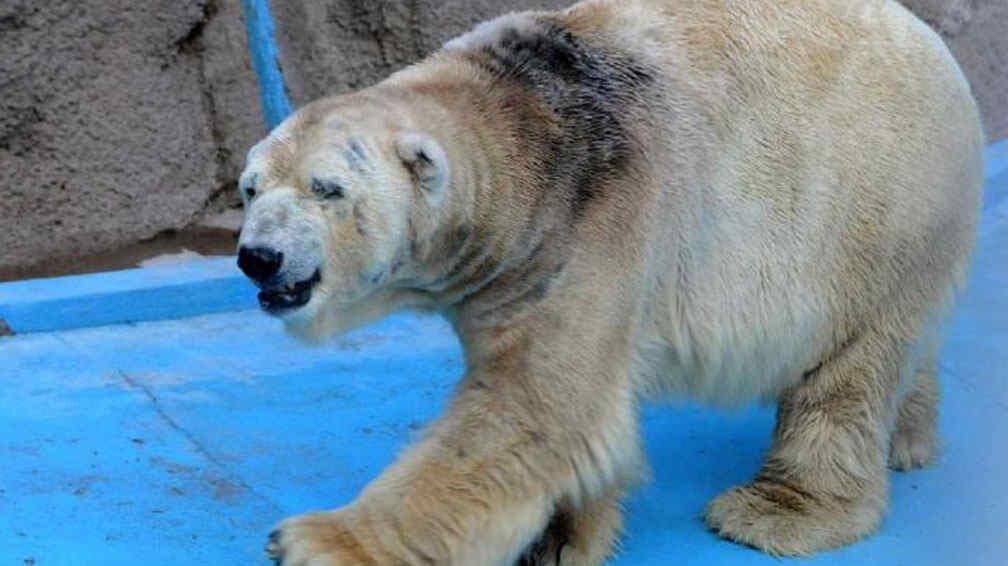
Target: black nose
column 259, row 263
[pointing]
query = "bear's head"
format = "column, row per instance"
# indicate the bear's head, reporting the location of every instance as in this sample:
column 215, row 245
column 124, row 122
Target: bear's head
column 336, row 197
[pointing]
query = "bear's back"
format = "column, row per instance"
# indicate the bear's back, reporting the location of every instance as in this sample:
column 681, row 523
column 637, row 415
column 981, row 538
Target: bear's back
column 835, row 159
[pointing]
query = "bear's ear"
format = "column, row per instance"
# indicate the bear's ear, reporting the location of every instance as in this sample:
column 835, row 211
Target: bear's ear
column 427, row 161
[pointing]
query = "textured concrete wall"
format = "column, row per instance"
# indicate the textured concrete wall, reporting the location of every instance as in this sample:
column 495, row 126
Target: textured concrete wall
column 116, row 122
column 123, row 120
column 332, row 46
column 977, row 33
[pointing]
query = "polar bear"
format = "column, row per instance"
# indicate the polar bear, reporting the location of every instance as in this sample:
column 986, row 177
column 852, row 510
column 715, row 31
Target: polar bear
column 722, row 199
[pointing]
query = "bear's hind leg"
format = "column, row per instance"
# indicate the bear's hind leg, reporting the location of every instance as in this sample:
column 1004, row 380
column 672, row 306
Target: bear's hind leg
column 825, row 482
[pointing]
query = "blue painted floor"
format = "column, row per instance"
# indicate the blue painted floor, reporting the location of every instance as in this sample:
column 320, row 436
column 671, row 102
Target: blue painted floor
column 182, row 442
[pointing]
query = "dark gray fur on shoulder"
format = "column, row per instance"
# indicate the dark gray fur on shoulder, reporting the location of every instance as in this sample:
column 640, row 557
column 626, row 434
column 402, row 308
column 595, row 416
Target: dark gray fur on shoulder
column 588, row 89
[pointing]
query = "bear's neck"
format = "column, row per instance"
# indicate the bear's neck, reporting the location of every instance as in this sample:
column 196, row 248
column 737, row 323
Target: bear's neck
column 501, row 239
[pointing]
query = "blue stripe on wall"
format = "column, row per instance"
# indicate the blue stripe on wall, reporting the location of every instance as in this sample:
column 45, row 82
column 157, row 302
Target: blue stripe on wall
column 263, row 49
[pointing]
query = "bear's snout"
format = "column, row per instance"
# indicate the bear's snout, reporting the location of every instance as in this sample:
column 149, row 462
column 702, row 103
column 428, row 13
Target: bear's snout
column 259, row 263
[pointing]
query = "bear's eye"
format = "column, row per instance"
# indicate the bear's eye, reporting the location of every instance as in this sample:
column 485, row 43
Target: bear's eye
column 246, row 185
column 327, row 188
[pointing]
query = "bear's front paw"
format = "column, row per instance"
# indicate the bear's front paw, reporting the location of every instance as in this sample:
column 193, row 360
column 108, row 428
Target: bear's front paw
column 784, row 520
column 911, row 449
column 317, row 539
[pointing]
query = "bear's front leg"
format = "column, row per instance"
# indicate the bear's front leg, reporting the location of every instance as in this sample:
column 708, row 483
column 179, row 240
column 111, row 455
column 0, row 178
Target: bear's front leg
column 579, row 534
column 531, row 428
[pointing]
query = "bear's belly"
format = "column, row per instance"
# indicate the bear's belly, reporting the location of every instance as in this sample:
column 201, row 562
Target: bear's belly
column 732, row 352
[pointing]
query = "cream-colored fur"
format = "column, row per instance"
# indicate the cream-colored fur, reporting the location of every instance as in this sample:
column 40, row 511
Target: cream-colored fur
column 794, row 211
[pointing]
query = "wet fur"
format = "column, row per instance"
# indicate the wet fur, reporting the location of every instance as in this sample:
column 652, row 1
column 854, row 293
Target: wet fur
column 699, row 198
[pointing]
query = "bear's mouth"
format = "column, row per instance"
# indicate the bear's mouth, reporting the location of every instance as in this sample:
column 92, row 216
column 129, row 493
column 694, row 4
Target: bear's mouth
column 276, row 300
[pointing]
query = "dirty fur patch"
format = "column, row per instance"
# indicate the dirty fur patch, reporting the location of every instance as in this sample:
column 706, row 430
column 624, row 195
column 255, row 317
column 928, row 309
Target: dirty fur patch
column 589, row 92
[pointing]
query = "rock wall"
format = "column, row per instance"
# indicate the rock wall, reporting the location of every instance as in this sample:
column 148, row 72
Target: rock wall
column 977, row 33
column 118, row 121
column 332, row 46
column 123, row 121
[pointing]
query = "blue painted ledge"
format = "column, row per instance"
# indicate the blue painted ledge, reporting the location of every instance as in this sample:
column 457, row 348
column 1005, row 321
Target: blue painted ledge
column 178, row 290
column 214, row 285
